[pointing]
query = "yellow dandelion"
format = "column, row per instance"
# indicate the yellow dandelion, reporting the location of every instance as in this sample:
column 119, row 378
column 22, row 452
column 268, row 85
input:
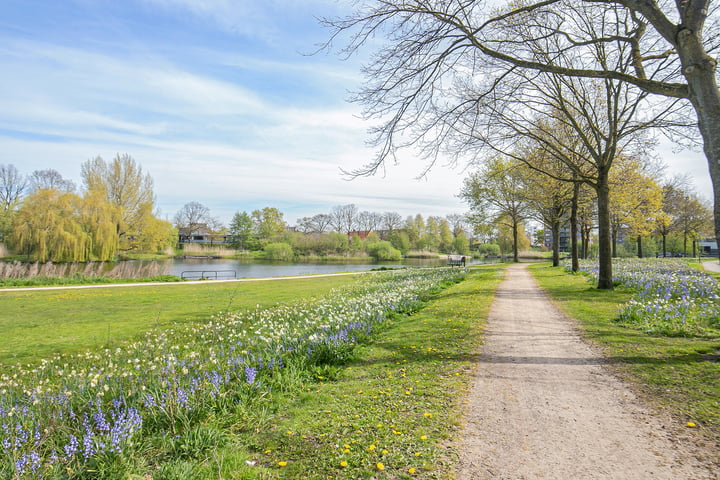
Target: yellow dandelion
column 691, row 424
column 417, row 454
column 384, row 452
column 371, row 448
column 427, row 415
column 282, row 463
column 380, row 466
column 411, row 471
column 343, row 464
column 423, row 437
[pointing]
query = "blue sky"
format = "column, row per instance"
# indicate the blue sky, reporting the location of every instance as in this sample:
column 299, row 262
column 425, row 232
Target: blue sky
column 216, row 99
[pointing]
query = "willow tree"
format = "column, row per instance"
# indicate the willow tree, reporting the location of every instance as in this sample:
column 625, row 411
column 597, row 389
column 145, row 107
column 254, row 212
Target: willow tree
column 122, row 183
column 48, row 227
column 441, row 54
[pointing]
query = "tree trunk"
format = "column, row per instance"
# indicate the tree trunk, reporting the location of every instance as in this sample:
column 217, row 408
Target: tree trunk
column 685, row 244
column 516, row 257
column 555, row 228
column 614, row 242
column 639, row 246
column 699, row 70
column 664, row 237
column 586, row 242
column 574, row 227
column 605, row 278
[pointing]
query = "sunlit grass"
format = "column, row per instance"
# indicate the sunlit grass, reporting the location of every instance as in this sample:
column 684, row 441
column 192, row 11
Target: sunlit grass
column 212, row 399
column 41, row 323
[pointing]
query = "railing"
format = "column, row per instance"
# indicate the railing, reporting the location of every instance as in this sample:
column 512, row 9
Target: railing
column 201, row 274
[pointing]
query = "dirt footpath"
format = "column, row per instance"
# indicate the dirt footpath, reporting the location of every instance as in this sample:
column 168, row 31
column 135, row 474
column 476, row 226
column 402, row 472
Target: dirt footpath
column 544, row 407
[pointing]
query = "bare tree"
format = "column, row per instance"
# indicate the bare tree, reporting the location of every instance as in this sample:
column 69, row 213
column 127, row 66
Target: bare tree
column 344, row 218
column 369, row 221
column 194, row 215
column 438, row 48
column 316, row 224
column 50, row 179
column 391, row 221
column 12, row 187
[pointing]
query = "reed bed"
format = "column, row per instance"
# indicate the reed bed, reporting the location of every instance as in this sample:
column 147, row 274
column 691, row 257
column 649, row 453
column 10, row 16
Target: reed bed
column 22, row 270
column 203, row 249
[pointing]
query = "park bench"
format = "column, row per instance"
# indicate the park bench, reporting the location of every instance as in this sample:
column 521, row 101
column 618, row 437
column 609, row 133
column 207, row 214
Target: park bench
column 456, row 261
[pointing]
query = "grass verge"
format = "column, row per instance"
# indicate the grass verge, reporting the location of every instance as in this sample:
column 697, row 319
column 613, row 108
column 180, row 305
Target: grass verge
column 391, row 412
column 39, row 324
column 679, row 374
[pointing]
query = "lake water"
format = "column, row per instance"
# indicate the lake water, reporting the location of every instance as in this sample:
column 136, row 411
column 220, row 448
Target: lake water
column 194, row 268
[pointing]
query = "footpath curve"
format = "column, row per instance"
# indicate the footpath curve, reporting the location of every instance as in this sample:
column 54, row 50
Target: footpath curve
column 543, row 406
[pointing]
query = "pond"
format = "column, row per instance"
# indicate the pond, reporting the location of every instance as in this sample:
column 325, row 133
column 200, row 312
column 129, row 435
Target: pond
column 229, row 268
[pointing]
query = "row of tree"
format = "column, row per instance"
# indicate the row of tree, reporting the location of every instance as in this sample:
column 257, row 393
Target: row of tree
column 566, row 87
column 43, row 217
column 508, row 192
column 330, row 233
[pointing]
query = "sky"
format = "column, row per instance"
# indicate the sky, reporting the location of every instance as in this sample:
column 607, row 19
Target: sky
column 221, row 101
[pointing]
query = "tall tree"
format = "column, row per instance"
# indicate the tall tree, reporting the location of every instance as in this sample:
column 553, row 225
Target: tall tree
column 241, row 228
column 12, row 187
column 268, row 222
column 438, row 49
column 498, row 190
column 391, row 221
column 48, row 227
column 194, row 215
column 549, row 200
column 50, row 179
column 122, row 183
column 636, row 201
column 344, row 218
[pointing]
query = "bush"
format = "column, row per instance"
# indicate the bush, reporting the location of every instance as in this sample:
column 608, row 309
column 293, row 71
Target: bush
column 384, row 251
column 279, row 251
column 489, row 249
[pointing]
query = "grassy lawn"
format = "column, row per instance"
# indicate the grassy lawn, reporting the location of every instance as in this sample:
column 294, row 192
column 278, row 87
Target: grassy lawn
column 679, row 374
column 39, row 324
column 397, row 406
column 390, row 413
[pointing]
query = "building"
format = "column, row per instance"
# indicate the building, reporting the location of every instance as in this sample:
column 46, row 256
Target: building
column 202, row 234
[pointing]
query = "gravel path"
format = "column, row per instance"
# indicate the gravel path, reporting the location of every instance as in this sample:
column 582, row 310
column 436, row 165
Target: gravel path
column 543, row 406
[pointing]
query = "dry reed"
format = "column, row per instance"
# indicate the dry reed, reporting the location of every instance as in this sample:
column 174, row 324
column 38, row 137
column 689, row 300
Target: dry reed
column 133, row 269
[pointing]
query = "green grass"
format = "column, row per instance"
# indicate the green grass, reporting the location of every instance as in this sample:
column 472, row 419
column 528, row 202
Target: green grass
column 679, row 374
column 397, row 404
column 41, row 323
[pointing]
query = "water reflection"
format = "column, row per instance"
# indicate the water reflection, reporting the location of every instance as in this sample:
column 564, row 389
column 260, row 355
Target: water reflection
column 227, row 268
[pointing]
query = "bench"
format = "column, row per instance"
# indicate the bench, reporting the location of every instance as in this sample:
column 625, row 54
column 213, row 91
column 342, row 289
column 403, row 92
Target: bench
column 456, row 261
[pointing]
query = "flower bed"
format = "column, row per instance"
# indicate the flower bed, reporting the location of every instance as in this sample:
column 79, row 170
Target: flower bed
column 672, row 298
column 89, row 415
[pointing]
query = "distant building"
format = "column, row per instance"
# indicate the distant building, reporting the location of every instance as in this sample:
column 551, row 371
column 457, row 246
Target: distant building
column 202, row 234
column 564, row 239
column 708, row 247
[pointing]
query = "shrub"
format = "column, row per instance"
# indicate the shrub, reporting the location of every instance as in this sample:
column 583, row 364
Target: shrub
column 384, row 251
column 489, row 249
column 279, row 251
